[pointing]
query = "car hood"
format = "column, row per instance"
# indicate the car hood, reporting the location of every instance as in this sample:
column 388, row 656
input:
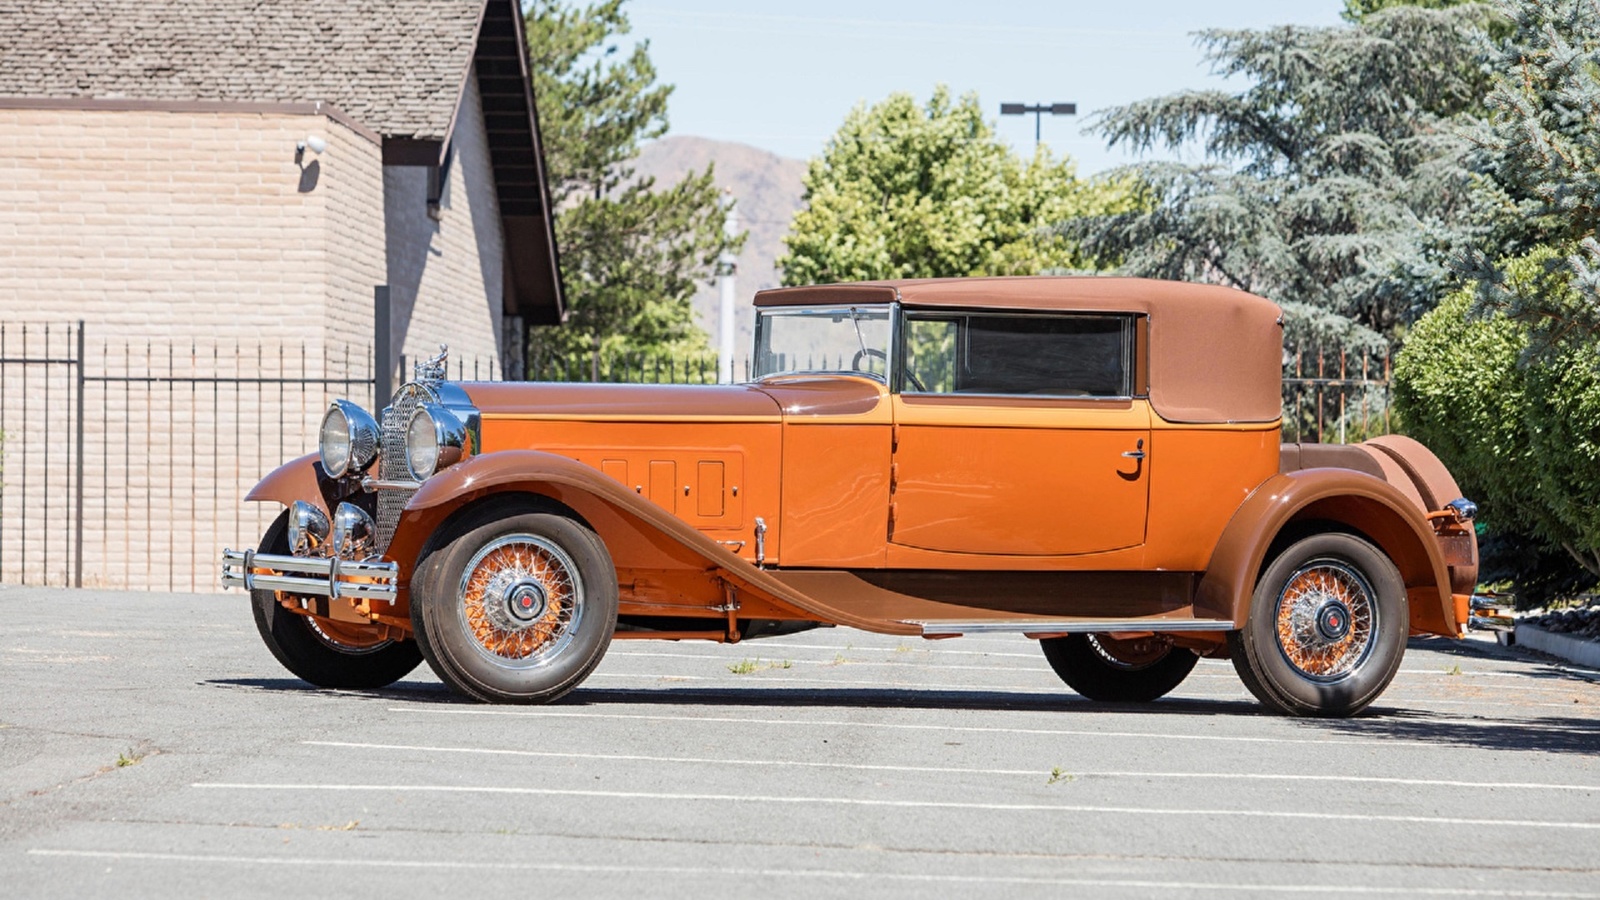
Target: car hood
column 582, row 401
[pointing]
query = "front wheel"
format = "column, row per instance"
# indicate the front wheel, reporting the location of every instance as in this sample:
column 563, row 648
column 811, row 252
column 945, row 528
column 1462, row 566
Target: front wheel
column 326, row 653
column 1326, row 630
column 1104, row 668
column 517, row 610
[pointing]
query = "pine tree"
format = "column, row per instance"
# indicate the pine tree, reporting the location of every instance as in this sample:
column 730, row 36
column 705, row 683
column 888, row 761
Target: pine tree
column 1538, row 158
column 1326, row 179
column 904, row 190
column 631, row 252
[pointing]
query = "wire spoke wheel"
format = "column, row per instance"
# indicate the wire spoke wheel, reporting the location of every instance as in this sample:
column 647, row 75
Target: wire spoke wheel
column 521, row 599
column 1327, row 616
column 1326, row 629
column 516, row 604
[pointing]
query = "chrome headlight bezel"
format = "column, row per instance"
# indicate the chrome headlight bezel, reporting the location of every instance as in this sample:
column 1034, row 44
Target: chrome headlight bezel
column 348, row 440
column 435, row 440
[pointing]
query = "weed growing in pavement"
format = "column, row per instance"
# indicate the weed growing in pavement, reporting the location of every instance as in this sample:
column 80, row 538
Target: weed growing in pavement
column 1453, row 670
column 746, row 666
column 129, row 758
column 1057, row 776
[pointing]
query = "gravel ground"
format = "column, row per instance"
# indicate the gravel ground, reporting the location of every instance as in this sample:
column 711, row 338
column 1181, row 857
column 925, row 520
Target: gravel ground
column 151, row 747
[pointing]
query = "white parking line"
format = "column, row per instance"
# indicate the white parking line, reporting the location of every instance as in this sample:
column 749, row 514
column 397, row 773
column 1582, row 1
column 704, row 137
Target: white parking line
column 954, row 770
column 788, row 874
column 839, row 723
column 895, row 804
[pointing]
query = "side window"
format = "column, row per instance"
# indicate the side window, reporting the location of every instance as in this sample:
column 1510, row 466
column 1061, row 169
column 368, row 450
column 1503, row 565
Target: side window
column 1063, row 356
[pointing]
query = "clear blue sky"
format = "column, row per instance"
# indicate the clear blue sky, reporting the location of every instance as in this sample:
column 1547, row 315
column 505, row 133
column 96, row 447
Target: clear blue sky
column 782, row 75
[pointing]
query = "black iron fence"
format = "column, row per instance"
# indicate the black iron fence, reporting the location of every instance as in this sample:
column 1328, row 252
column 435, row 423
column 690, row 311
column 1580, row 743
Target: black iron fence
column 124, row 463
column 1334, row 397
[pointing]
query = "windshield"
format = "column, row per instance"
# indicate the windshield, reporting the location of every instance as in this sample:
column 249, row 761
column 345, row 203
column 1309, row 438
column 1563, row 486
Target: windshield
column 852, row 340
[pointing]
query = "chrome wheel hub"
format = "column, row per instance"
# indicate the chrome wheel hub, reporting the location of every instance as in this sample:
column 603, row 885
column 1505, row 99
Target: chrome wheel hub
column 514, row 603
column 1327, row 620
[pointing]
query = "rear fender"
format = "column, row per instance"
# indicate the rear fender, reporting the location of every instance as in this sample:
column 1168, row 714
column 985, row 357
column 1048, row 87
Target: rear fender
column 1350, row 500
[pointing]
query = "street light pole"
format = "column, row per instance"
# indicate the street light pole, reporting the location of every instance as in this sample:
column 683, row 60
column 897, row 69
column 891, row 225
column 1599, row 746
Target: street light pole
column 1038, row 110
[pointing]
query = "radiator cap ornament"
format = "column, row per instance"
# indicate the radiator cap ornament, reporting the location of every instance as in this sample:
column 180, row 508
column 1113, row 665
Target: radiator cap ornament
column 434, row 368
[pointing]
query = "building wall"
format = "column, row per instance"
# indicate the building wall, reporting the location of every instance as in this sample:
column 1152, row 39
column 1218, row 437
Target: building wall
column 227, row 293
column 446, row 277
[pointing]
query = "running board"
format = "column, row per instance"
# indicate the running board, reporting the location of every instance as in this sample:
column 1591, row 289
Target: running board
column 953, row 627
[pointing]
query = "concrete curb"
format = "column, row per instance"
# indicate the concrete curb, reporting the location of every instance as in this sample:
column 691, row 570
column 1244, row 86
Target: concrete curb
column 1578, row 650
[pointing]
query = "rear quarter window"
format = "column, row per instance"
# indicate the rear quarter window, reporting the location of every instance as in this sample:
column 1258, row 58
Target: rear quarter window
column 1039, row 355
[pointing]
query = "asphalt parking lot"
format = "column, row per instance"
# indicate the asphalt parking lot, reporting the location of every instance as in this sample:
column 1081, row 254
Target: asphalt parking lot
column 151, row 747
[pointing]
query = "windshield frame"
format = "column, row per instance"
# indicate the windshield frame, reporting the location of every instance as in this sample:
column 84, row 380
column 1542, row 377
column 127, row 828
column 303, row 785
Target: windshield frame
column 891, row 350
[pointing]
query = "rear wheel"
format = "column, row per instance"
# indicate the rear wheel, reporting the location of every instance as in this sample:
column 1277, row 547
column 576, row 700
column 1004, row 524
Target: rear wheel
column 1104, row 668
column 1327, row 628
column 516, row 610
column 327, row 654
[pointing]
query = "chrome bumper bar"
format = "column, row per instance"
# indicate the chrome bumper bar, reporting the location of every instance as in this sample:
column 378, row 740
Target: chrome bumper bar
column 314, row 576
column 1498, row 616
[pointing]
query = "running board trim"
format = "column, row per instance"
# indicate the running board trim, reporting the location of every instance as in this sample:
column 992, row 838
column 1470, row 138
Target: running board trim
column 953, row 627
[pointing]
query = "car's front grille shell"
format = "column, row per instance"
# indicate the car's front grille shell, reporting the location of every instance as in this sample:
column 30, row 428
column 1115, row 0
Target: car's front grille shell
column 392, row 461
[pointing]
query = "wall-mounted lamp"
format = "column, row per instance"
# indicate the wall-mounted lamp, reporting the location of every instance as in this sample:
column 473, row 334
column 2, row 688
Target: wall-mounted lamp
column 313, row 143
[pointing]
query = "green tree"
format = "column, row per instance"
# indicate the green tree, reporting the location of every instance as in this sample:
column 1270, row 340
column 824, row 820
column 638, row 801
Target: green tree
column 1328, row 175
column 1522, row 440
column 1538, row 159
column 904, row 190
column 631, row 252
column 1359, row 10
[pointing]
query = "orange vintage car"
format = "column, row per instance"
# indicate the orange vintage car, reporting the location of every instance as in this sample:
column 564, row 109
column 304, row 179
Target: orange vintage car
column 1091, row 462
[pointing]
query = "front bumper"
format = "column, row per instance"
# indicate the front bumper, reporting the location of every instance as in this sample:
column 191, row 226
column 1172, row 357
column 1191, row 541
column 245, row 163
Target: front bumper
column 311, row 576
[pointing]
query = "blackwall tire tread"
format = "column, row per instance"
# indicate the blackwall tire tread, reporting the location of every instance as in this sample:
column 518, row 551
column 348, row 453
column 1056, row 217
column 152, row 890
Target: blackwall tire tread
column 290, row 639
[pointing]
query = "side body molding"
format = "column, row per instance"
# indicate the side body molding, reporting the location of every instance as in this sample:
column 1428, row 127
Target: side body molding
column 1352, row 499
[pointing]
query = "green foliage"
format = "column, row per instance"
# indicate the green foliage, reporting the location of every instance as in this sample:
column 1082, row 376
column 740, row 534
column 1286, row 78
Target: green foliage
column 1538, row 155
column 631, row 253
column 1325, row 176
column 1522, row 440
column 1358, row 10
column 909, row 191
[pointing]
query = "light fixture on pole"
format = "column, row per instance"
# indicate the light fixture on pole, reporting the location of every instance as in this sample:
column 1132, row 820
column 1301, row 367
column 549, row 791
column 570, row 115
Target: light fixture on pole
column 1038, row 111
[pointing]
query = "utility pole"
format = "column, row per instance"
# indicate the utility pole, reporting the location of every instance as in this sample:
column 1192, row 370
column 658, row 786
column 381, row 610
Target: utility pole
column 727, row 268
column 1038, row 110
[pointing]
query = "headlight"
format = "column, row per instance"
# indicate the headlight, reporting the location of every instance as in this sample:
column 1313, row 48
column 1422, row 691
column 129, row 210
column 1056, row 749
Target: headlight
column 435, row 439
column 349, row 440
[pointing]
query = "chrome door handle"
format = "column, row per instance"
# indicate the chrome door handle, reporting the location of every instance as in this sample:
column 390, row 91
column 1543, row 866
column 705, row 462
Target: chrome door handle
column 1133, row 454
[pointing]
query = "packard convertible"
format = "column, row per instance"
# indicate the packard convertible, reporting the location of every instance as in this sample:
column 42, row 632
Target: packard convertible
column 1094, row 463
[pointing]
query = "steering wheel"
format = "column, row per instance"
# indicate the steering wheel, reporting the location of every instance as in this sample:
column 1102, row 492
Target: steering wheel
column 869, row 353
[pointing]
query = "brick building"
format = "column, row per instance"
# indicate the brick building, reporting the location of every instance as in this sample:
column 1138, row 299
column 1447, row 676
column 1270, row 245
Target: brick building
column 202, row 181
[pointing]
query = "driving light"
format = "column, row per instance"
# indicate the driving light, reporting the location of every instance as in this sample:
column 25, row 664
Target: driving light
column 435, row 439
column 349, row 441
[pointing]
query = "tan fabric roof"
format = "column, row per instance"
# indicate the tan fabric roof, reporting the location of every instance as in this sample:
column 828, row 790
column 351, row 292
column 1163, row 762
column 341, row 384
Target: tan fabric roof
column 396, row 66
column 1216, row 354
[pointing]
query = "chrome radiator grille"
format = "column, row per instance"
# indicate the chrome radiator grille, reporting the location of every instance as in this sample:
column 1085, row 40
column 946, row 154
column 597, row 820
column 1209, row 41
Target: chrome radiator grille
column 392, row 460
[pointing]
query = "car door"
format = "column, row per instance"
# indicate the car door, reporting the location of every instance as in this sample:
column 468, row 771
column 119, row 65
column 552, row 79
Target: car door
column 1019, row 435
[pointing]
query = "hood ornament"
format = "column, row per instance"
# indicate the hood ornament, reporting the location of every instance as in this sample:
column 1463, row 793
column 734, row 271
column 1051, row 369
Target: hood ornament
column 433, row 368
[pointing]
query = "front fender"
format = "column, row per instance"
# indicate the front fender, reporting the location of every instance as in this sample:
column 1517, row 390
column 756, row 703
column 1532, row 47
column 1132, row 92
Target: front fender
column 638, row 533
column 1350, row 498
column 297, row 479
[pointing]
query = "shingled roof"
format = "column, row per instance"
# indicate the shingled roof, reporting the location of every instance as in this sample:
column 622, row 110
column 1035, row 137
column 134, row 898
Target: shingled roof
column 396, row 66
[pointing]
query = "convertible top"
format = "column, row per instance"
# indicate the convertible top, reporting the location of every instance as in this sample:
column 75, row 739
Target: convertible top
column 1216, row 354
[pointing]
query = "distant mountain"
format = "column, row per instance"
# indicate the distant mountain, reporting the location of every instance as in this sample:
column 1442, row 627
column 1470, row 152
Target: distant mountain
column 767, row 190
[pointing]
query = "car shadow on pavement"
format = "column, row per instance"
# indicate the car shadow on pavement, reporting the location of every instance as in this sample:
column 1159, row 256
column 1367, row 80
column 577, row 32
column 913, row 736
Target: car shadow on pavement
column 1540, row 734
